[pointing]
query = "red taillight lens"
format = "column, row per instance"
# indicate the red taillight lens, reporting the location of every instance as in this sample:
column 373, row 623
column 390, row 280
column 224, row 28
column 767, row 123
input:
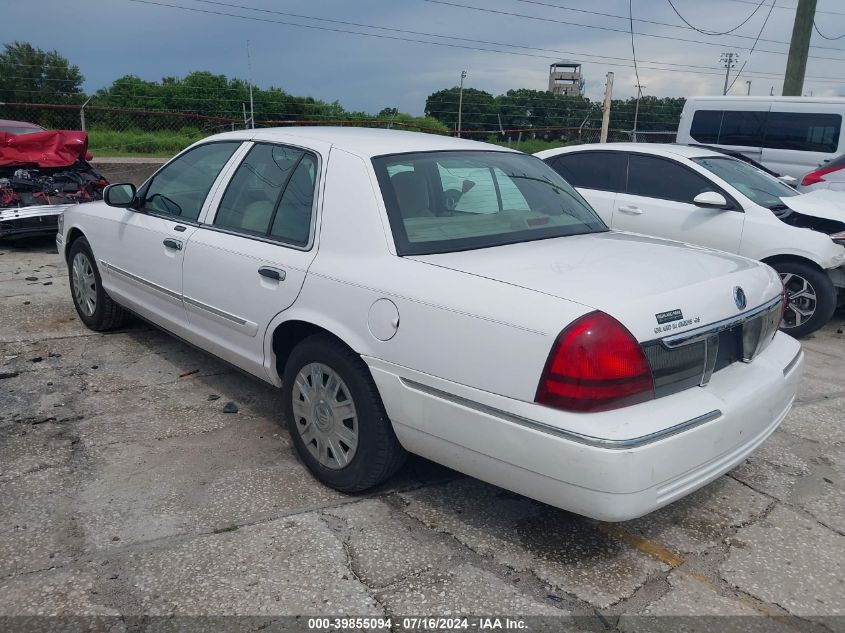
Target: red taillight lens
column 817, row 176
column 596, row 364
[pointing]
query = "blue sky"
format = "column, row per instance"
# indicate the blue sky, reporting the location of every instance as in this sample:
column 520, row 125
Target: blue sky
column 110, row 38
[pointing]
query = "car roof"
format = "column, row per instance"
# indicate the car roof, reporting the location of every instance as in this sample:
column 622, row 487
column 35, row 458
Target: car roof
column 362, row 141
column 670, row 150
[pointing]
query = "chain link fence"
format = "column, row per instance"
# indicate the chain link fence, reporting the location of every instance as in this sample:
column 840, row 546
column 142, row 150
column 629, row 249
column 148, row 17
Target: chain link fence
column 126, row 132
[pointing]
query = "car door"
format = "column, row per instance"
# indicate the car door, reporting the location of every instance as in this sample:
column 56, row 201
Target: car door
column 597, row 175
column 143, row 254
column 247, row 261
column 659, row 201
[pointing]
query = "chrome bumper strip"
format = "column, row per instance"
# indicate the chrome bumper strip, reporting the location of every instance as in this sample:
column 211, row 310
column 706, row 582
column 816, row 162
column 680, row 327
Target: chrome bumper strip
column 791, row 365
column 589, row 440
column 685, row 338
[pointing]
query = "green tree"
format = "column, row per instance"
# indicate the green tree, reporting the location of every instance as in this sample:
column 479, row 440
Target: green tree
column 31, row 75
column 478, row 111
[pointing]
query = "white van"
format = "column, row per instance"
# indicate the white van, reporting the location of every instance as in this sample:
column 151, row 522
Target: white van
column 789, row 135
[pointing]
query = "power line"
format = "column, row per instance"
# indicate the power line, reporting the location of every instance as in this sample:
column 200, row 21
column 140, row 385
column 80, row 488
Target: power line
column 766, row 21
column 633, row 48
column 658, row 23
column 815, row 26
column 406, row 39
column 605, row 28
column 704, row 32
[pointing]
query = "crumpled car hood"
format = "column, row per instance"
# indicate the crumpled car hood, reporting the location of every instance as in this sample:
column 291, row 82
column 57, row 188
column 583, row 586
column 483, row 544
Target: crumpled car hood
column 58, row 148
column 825, row 204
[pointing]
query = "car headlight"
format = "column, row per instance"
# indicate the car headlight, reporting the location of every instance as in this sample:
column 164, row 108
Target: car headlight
column 838, row 238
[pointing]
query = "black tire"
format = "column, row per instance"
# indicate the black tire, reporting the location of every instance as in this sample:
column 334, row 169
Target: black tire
column 378, row 454
column 106, row 314
column 795, row 275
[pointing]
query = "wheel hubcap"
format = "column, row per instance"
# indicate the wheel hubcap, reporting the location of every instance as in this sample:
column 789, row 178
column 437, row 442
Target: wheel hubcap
column 84, row 284
column 325, row 415
column 801, row 300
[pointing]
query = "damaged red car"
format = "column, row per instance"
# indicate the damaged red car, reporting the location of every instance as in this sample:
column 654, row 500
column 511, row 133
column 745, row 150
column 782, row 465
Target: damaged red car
column 41, row 173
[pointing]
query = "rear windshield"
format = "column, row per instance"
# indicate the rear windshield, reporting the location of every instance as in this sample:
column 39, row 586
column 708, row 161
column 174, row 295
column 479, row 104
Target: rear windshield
column 753, row 183
column 440, row 202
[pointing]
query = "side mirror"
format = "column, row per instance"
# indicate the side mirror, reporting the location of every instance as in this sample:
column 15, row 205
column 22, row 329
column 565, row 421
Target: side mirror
column 120, row 196
column 789, row 180
column 710, row 200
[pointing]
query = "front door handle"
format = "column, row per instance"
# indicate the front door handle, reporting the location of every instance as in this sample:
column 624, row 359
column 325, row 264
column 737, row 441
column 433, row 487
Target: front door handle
column 176, row 245
column 276, row 274
column 631, row 210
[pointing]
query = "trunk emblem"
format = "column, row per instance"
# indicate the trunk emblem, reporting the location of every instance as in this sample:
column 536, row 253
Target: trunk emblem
column 739, row 298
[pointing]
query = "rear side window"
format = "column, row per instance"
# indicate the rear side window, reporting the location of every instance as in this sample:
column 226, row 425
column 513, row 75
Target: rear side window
column 659, row 178
column 604, row 171
column 705, row 126
column 806, row 132
column 271, row 194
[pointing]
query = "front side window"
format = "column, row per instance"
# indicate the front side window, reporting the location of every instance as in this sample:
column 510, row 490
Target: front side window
column 449, row 201
column 653, row 177
column 754, row 184
column 271, row 194
column 181, row 187
column 806, row 132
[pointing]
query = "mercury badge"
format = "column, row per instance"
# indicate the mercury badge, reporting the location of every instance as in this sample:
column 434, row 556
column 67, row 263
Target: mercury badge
column 739, row 298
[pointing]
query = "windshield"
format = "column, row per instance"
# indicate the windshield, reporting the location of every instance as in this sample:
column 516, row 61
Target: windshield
column 441, row 202
column 756, row 185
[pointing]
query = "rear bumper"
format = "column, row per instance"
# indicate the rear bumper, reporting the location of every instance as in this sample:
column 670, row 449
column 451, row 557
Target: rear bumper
column 627, row 466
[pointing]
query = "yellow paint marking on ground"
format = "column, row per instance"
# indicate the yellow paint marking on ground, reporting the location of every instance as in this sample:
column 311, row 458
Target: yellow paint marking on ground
column 674, row 561
column 643, row 544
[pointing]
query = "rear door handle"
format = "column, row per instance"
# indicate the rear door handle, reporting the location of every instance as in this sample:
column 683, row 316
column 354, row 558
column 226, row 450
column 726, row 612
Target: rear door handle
column 275, row 274
column 176, row 245
column 631, row 210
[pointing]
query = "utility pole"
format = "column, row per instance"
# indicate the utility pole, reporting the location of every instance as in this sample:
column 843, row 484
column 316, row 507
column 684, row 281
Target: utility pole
column 251, row 105
column 461, row 101
column 748, row 88
column 605, row 108
column 639, row 88
column 799, row 46
column 729, row 60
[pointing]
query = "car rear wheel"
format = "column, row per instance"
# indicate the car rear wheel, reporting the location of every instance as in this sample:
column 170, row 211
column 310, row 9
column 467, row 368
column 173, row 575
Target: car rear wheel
column 95, row 307
column 811, row 298
column 336, row 418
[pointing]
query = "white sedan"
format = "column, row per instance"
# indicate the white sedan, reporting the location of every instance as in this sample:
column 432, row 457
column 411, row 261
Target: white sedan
column 452, row 299
column 697, row 195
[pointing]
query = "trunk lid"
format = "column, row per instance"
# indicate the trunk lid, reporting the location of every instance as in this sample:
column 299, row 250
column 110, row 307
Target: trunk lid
column 655, row 287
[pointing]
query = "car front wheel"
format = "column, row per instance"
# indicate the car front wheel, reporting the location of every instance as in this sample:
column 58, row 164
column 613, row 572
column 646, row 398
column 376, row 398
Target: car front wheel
column 95, row 307
column 336, row 418
column 811, row 297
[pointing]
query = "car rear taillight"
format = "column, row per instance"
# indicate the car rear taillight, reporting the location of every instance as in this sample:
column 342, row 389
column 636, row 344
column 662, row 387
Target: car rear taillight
column 817, row 176
column 596, row 364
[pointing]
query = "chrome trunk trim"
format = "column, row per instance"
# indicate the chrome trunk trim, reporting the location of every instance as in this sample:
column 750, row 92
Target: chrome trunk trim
column 589, row 440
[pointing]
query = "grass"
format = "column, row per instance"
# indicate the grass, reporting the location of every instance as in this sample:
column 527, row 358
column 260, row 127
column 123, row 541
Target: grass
column 529, row 146
column 110, row 143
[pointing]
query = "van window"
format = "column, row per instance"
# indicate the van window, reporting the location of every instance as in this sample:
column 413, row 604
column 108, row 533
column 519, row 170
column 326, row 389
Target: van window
column 705, row 126
column 806, row 132
column 742, row 127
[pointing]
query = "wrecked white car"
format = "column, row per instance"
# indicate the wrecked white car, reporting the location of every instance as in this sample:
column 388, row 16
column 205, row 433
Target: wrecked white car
column 42, row 173
column 700, row 196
